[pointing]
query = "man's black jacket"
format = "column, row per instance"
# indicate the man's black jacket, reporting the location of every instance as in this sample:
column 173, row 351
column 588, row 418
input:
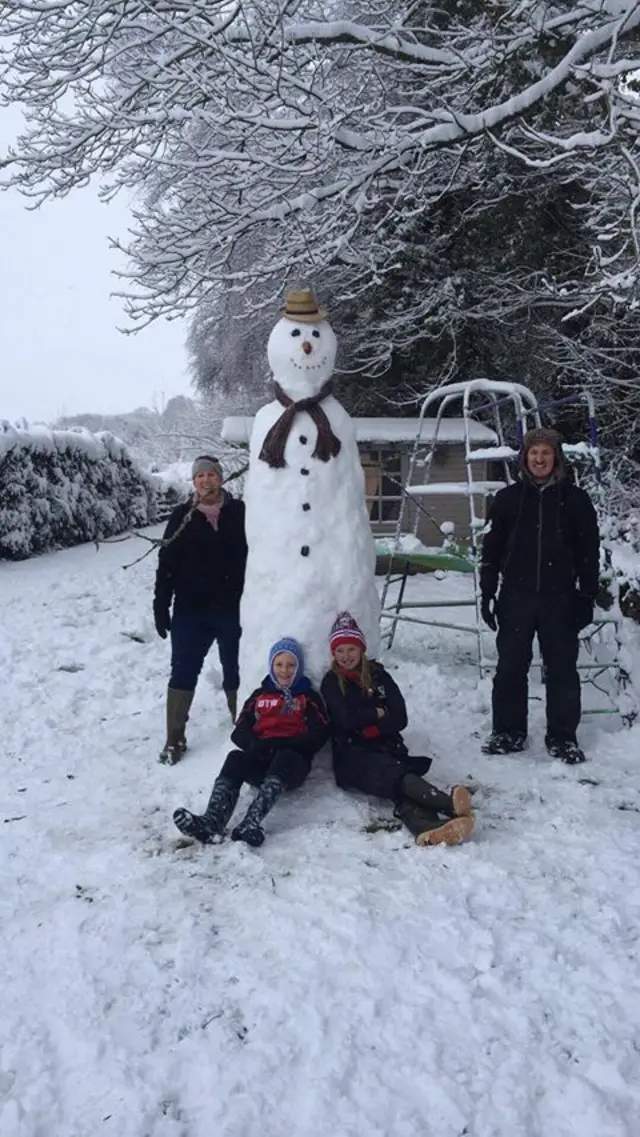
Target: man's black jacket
column 202, row 567
column 542, row 539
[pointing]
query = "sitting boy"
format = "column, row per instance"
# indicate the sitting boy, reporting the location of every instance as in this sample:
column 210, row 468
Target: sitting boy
column 280, row 728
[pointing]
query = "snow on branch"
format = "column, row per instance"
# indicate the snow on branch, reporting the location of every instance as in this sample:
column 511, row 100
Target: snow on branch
column 319, row 141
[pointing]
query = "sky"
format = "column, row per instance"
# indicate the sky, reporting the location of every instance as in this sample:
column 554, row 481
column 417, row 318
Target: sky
column 61, row 351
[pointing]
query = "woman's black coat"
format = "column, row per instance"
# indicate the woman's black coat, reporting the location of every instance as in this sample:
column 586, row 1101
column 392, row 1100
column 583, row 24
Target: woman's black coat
column 202, row 568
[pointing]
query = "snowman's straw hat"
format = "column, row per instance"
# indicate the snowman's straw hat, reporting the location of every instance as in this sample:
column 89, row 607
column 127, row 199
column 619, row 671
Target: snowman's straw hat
column 301, row 306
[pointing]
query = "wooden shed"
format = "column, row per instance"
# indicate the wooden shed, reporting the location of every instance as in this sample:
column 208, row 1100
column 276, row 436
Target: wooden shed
column 386, row 446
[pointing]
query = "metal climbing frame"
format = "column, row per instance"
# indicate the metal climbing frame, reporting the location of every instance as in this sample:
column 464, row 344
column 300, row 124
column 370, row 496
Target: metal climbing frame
column 494, row 398
column 494, row 401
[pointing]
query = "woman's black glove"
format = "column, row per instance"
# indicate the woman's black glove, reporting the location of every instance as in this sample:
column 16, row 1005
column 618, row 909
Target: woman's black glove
column 162, row 619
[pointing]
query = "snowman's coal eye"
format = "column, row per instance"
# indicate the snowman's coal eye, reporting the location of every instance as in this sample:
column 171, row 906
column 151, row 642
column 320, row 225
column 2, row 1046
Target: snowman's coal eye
column 296, row 332
column 316, row 335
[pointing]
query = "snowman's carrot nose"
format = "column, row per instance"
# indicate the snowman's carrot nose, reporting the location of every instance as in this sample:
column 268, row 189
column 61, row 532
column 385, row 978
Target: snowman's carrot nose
column 307, row 347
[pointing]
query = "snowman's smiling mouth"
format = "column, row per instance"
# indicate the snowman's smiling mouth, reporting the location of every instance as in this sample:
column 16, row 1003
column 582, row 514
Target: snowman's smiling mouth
column 309, row 366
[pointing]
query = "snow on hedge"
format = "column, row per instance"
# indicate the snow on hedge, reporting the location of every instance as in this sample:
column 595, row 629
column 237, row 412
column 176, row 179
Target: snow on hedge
column 62, row 487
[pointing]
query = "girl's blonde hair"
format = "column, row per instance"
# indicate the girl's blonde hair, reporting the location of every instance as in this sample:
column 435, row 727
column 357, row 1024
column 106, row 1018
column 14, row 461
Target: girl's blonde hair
column 363, row 671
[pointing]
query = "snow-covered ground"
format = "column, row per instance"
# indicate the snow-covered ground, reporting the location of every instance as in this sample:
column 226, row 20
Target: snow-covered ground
column 336, row 981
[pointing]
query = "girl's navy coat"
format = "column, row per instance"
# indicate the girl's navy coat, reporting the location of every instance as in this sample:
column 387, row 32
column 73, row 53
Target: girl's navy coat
column 374, row 762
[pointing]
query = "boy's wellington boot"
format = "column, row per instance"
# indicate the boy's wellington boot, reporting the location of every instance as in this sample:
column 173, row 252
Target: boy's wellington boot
column 455, row 804
column 232, row 703
column 178, row 706
column 429, row 829
column 250, row 829
column 211, row 824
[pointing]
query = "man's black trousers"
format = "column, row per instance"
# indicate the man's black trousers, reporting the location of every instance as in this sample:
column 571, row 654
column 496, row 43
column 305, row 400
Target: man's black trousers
column 552, row 617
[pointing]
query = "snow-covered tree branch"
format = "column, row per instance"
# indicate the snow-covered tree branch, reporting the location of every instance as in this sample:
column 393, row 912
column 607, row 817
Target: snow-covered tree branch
column 319, row 137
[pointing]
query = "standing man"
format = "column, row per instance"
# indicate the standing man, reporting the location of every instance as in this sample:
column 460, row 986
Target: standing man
column 543, row 543
column 201, row 569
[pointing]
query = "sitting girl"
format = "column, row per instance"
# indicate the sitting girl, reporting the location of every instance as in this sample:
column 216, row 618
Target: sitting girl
column 367, row 713
column 281, row 726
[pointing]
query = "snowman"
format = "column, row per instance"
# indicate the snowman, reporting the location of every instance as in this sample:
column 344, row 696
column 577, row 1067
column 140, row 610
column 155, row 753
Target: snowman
column 311, row 551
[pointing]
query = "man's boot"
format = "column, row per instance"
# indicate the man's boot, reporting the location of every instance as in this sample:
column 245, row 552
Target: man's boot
column 232, row 703
column 429, row 829
column 207, row 826
column 433, row 800
column 504, row 742
column 250, row 829
column 178, row 705
column 566, row 749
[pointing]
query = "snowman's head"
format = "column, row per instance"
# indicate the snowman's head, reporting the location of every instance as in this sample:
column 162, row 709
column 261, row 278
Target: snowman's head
column 302, row 356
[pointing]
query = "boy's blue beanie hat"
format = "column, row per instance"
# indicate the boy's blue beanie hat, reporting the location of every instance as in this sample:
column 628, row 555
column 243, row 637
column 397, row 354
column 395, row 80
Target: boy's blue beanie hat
column 294, row 649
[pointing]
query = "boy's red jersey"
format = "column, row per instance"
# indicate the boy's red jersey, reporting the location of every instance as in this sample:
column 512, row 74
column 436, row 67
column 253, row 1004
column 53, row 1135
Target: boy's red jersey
column 268, row 713
column 273, row 719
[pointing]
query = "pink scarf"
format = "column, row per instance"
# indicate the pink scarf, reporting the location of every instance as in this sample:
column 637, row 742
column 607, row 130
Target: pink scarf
column 212, row 512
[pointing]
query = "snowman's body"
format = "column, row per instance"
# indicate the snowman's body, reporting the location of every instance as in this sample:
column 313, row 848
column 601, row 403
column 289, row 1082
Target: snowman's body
column 311, row 551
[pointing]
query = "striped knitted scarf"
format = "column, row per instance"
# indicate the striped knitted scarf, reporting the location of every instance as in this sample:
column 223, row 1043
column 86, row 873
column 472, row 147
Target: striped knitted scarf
column 327, row 445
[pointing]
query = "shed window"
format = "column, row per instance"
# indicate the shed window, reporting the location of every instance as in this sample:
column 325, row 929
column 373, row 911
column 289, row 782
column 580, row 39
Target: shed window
column 383, row 483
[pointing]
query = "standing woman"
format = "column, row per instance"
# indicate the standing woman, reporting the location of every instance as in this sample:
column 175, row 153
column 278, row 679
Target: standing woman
column 201, row 570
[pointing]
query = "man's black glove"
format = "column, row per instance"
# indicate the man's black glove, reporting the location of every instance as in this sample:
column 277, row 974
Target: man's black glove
column 162, row 619
column 488, row 611
column 583, row 608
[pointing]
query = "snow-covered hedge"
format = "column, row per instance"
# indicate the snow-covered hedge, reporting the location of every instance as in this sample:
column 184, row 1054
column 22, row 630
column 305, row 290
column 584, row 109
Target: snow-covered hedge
column 172, row 485
column 62, row 487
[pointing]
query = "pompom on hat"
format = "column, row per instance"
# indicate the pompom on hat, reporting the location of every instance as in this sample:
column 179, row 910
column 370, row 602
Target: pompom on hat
column 302, row 307
column 345, row 630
